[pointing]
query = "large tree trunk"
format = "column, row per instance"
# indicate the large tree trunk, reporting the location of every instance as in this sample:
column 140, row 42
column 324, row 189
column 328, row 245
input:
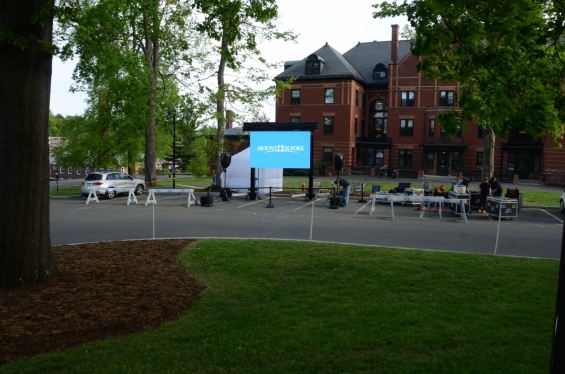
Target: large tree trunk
column 25, row 84
column 152, row 59
column 220, row 113
column 488, row 152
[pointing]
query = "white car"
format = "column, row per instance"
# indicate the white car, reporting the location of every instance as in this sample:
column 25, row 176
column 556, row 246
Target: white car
column 106, row 183
column 562, row 203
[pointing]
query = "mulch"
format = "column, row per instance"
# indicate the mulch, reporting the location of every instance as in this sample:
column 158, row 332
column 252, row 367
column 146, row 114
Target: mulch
column 103, row 289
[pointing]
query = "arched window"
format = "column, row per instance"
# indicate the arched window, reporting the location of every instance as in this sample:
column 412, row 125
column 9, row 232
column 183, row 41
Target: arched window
column 378, row 114
column 314, row 64
column 380, row 72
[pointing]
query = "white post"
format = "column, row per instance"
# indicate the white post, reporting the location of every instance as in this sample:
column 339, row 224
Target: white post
column 312, row 219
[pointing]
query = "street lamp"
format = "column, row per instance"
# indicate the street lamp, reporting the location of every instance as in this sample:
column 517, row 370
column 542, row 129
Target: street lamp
column 169, row 115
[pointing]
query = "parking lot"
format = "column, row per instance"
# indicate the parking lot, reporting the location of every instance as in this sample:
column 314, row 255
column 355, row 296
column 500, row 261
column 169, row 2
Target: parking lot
column 534, row 233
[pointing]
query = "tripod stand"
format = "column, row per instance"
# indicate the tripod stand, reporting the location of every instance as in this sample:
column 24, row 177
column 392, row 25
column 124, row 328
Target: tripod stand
column 225, row 192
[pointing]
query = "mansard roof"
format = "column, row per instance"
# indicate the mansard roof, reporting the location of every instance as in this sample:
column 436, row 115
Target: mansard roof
column 365, row 56
column 357, row 63
column 335, row 66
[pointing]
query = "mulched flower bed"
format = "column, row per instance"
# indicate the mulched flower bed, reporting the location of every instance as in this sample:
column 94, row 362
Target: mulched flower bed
column 103, row 289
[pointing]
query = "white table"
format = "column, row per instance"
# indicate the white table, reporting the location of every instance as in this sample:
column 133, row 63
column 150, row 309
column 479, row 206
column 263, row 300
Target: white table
column 417, row 199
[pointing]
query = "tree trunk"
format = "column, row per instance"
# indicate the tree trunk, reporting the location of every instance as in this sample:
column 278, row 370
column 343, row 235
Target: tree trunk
column 488, row 153
column 25, row 76
column 220, row 113
column 152, row 59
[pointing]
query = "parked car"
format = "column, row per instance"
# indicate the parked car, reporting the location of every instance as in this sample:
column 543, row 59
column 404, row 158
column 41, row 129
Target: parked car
column 107, row 182
column 562, row 203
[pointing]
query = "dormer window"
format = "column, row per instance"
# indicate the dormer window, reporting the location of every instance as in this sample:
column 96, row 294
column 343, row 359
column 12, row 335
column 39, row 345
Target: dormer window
column 380, row 72
column 314, row 64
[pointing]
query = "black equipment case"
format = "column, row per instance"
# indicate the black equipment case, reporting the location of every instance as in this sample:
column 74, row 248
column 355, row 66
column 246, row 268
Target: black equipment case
column 335, row 202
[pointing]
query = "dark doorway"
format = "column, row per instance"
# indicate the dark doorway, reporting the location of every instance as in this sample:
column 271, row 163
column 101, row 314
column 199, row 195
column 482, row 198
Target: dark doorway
column 442, row 163
column 524, row 165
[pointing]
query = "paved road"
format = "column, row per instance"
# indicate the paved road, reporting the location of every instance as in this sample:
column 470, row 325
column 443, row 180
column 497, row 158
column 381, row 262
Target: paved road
column 534, row 233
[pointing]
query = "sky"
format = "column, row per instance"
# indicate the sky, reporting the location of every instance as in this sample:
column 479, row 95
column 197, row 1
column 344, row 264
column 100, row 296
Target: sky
column 339, row 23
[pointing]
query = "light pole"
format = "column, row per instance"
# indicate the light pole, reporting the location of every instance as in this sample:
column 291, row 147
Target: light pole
column 172, row 114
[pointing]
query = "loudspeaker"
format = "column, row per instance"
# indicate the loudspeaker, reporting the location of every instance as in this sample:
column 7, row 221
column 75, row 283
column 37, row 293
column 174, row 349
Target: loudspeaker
column 225, row 159
column 335, row 202
column 206, row 201
column 338, row 161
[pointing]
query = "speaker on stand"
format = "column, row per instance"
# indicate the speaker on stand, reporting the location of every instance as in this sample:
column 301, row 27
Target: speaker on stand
column 336, row 201
column 225, row 161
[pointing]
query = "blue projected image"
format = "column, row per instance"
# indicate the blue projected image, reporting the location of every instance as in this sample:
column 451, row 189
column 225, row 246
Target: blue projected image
column 280, row 149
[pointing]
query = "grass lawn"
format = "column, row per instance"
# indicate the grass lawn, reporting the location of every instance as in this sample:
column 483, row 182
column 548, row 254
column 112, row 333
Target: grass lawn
column 300, row 307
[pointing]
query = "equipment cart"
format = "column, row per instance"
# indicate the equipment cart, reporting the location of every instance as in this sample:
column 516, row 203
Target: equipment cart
column 502, row 207
column 456, row 208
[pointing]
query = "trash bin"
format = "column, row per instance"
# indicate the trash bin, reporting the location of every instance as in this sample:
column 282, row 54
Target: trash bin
column 376, row 188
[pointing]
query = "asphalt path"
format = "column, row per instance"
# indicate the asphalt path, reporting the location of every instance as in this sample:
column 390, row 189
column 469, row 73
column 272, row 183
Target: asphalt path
column 536, row 232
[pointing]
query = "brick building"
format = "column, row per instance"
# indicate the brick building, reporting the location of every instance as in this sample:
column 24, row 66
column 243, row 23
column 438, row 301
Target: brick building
column 373, row 106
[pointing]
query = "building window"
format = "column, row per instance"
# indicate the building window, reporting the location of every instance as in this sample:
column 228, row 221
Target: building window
column 378, row 113
column 61, row 170
column 479, row 160
column 446, row 98
column 405, row 158
column 314, row 64
column 459, row 129
column 312, row 67
column 430, row 160
column 295, row 97
column 356, row 97
column 328, row 155
column 456, row 161
column 442, row 132
column 370, row 156
column 432, row 129
column 380, row 73
column 69, row 170
column 329, row 95
column 511, row 161
column 78, row 171
column 406, row 127
column 536, row 162
column 328, row 125
column 294, row 119
column 480, row 133
column 407, row 98
column 86, row 171
column 355, row 128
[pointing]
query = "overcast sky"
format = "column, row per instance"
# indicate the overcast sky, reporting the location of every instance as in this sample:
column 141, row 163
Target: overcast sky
column 339, row 23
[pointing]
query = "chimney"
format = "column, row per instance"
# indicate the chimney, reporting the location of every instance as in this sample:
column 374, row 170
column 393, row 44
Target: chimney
column 394, row 45
column 229, row 119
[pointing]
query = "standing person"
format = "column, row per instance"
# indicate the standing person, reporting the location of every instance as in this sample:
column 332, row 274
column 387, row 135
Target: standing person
column 465, row 182
column 346, row 189
column 213, row 179
column 485, row 192
column 496, row 188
